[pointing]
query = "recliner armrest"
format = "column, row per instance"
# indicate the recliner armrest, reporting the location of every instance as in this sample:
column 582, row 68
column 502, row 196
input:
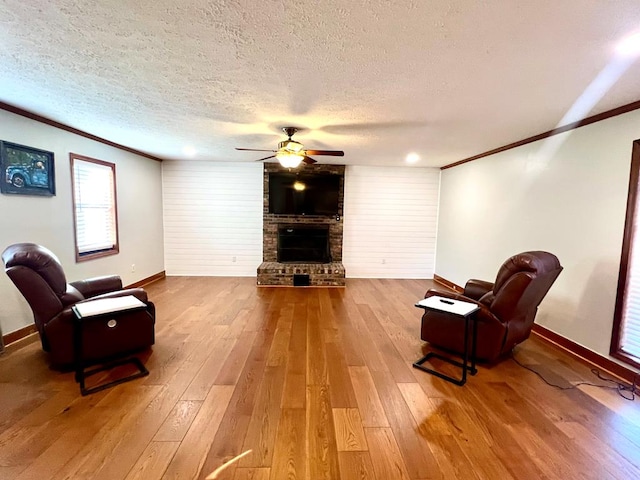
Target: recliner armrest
column 476, row 289
column 139, row 293
column 92, row 287
column 484, row 314
column 452, row 295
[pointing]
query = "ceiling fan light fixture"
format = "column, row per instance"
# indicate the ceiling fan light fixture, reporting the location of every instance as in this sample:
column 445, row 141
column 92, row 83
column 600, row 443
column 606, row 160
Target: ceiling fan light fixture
column 291, row 153
column 289, row 159
column 290, row 146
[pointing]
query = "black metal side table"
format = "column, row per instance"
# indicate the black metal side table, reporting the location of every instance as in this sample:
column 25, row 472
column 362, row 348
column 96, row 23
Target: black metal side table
column 455, row 308
column 109, row 311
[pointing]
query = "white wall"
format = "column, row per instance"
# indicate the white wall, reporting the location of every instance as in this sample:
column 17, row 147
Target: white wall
column 571, row 203
column 212, row 215
column 390, row 219
column 49, row 220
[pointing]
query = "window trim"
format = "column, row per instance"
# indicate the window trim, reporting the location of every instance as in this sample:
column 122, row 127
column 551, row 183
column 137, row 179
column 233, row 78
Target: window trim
column 100, row 253
column 629, row 230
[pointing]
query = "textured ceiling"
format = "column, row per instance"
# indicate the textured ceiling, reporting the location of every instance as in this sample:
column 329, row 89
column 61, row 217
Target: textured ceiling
column 377, row 79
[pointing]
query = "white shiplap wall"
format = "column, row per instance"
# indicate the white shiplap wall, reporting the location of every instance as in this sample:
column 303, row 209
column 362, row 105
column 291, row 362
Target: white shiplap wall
column 390, row 221
column 212, row 218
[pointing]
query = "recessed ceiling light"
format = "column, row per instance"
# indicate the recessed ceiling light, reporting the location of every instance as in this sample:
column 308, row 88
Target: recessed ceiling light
column 629, row 46
column 412, row 158
column 189, row 151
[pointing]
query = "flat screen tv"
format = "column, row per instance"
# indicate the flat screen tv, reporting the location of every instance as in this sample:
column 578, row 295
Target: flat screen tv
column 303, row 194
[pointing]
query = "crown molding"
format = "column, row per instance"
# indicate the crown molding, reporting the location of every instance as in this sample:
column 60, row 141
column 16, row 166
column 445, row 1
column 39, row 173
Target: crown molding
column 47, row 121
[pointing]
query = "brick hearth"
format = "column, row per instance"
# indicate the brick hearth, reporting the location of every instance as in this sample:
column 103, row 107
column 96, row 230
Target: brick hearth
column 320, row 274
column 270, row 272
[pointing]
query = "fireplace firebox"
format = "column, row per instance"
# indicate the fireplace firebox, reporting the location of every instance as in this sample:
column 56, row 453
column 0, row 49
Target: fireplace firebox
column 303, row 244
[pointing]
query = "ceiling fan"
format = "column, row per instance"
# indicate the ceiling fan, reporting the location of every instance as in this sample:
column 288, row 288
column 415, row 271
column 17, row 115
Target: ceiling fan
column 291, row 153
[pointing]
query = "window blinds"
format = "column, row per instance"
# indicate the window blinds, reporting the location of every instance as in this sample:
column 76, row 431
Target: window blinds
column 94, row 194
column 630, row 327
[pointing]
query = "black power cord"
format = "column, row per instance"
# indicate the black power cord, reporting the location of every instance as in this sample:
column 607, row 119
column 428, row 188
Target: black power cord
column 621, row 388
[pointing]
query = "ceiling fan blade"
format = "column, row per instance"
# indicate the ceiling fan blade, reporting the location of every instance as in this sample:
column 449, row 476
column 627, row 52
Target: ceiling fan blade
column 308, row 160
column 265, row 158
column 255, row 150
column 333, row 153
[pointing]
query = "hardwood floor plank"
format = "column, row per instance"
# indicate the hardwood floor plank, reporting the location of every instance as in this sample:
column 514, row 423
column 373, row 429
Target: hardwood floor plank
column 100, row 450
column 399, row 367
column 613, row 462
column 360, row 335
column 474, row 440
column 278, row 353
column 189, row 458
column 153, row 461
column 452, row 461
column 371, row 410
column 342, row 394
column 317, row 369
column 290, row 450
column 322, row 453
column 351, row 346
column 178, row 421
column 295, row 391
column 210, row 370
column 67, row 447
column 230, row 437
column 355, row 466
column 235, row 362
column 252, row 474
column 544, row 427
column 265, row 417
column 495, row 420
column 386, row 459
column 554, row 464
column 418, row 457
column 349, row 432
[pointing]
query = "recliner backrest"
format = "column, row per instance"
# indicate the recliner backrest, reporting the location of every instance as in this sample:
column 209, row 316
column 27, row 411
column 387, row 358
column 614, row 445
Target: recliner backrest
column 39, row 259
column 521, row 284
column 38, row 274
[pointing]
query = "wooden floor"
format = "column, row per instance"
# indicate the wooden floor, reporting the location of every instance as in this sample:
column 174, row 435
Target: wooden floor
column 318, row 383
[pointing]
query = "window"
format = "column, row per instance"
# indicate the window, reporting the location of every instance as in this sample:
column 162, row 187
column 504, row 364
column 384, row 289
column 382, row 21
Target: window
column 95, row 214
column 625, row 341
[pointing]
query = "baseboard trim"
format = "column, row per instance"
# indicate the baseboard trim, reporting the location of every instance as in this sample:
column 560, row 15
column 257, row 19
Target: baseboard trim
column 19, row 334
column 146, row 281
column 583, row 353
column 574, row 349
column 447, row 283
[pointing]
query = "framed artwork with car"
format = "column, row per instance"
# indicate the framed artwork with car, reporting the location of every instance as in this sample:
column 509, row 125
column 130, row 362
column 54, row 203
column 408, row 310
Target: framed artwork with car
column 26, row 170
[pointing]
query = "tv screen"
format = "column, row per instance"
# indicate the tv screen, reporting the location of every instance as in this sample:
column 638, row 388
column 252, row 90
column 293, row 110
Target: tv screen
column 303, row 194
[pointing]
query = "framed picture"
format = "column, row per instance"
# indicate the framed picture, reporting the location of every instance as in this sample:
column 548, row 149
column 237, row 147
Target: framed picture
column 26, row 171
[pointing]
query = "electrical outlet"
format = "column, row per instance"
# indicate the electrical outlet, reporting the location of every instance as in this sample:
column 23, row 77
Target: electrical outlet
column 384, row 261
column 133, row 268
column 233, row 259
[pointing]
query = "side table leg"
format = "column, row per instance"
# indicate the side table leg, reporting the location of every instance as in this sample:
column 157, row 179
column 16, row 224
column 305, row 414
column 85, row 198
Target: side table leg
column 465, row 351
column 465, row 356
column 474, row 341
column 77, row 352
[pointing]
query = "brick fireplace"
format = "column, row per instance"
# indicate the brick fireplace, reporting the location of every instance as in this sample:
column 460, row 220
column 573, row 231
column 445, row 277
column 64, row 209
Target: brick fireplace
column 295, row 233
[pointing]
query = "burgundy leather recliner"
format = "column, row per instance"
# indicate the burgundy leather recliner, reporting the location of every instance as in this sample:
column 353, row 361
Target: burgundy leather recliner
column 39, row 276
column 507, row 307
